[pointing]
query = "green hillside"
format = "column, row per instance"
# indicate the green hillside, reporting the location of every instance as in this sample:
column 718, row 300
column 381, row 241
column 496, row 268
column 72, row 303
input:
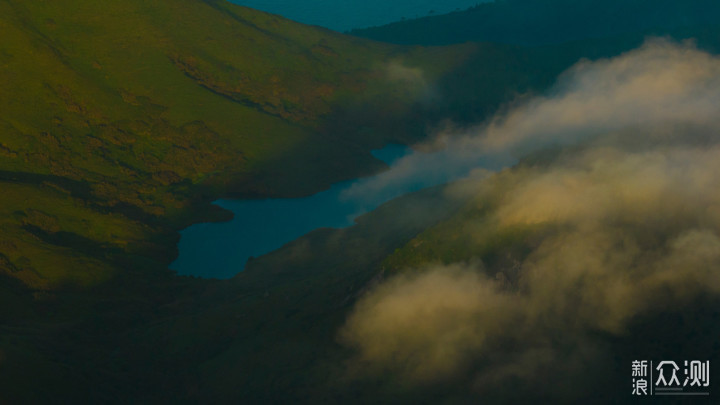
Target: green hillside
column 118, row 118
column 121, row 120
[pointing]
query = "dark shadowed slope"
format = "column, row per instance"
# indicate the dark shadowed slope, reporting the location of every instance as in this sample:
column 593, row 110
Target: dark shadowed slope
column 536, row 22
column 121, row 120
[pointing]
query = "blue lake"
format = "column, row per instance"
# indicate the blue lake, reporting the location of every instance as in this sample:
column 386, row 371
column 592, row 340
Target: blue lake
column 220, row 250
column 345, row 15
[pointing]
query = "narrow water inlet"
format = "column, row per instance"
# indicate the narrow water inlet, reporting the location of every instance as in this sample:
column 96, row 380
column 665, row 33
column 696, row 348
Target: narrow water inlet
column 221, row 250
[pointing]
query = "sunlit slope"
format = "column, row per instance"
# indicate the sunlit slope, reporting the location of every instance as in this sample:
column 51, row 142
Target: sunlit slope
column 117, row 116
column 120, row 120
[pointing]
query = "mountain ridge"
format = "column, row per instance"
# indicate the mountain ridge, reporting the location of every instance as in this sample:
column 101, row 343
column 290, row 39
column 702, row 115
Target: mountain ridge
column 528, row 22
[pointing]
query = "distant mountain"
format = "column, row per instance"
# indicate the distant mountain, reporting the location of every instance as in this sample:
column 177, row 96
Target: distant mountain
column 536, row 22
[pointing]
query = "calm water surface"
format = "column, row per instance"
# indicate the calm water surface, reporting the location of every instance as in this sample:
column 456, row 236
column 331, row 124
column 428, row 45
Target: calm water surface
column 220, row 250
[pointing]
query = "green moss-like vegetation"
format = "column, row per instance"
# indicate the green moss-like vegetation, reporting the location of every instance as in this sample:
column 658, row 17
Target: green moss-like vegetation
column 120, row 121
column 117, row 118
column 469, row 235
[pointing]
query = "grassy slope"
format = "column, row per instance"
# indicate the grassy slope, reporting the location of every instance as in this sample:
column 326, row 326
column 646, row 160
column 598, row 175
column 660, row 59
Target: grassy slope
column 116, row 117
column 119, row 120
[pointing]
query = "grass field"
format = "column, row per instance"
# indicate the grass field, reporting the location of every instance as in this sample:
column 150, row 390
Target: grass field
column 121, row 120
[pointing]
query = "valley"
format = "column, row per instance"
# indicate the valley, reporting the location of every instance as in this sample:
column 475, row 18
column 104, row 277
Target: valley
column 122, row 122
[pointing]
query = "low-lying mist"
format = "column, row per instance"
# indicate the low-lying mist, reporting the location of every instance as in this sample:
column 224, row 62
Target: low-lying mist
column 623, row 222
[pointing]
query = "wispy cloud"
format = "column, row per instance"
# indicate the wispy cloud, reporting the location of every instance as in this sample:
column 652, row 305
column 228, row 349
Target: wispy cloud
column 626, row 225
column 659, row 84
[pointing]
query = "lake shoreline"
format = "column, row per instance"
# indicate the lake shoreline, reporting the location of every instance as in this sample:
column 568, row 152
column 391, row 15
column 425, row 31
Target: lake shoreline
column 227, row 211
